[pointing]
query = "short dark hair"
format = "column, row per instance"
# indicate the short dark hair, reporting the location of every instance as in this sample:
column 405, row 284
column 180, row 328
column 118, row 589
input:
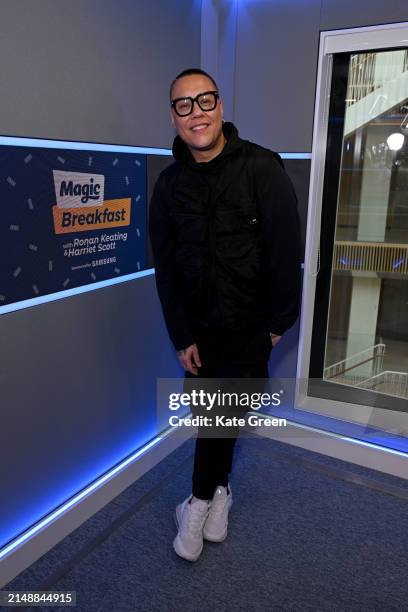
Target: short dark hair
column 189, row 72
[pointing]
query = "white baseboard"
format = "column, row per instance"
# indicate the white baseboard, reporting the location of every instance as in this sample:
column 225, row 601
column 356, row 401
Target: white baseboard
column 337, row 446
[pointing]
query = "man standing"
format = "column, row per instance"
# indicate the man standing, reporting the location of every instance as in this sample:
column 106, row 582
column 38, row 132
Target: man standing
column 224, row 229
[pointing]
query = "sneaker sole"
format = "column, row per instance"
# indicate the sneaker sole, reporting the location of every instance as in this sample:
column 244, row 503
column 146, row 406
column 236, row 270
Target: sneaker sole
column 217, row 538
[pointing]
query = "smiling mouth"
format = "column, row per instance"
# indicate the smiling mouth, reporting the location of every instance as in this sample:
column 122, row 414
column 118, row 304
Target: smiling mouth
column 197, row 128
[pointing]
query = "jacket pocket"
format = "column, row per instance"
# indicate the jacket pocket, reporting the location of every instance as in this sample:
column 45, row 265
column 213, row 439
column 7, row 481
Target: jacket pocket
column 189, row 227
column 235, row 218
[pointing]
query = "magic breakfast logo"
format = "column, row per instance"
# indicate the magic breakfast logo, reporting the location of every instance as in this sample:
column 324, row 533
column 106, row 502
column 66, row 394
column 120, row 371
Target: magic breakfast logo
column 81, row 206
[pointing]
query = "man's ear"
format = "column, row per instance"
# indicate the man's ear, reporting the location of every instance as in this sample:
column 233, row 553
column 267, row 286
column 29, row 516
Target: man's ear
column 172, row 119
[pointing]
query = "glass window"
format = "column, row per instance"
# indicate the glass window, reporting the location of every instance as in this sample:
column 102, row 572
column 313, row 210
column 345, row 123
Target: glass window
column 366, row 339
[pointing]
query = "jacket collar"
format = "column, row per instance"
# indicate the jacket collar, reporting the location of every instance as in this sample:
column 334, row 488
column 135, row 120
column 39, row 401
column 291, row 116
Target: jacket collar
column 182, row 154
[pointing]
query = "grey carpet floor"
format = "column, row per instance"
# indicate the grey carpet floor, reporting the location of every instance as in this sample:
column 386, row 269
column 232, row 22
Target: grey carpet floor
column 306, row 533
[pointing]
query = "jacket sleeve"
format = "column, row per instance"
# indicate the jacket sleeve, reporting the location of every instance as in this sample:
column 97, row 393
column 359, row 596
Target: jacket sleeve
column 281, row 245
column 162, row 241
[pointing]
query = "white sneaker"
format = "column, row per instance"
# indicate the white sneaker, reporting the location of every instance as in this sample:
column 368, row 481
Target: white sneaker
column 216, row 525
column 190, row 519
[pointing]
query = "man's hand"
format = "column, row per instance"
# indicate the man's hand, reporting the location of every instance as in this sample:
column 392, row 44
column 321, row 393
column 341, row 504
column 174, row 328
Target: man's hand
column 274, row 338
column 190, row 359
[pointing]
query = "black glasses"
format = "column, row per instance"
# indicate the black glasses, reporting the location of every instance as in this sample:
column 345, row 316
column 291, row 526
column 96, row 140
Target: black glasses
column 207, row 101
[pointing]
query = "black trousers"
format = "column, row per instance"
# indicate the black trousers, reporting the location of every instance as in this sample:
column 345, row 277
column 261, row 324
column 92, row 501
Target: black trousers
column 225, row 357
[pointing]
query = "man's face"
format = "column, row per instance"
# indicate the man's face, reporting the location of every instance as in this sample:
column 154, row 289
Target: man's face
column 201, row 130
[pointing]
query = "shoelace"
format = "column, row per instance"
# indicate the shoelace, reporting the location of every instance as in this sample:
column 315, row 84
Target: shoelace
column 218, row 508
column 195, row 521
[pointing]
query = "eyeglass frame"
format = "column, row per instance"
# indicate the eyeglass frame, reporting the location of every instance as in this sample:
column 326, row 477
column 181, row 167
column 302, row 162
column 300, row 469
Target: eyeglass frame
column 193, row 100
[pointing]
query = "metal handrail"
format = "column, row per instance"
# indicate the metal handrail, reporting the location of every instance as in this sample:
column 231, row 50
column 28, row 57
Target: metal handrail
column 374, row 353
column 396, row 382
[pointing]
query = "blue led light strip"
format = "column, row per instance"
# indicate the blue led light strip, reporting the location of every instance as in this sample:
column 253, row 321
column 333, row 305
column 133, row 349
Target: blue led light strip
column 296, row 155
column 79, row 146
column 52, row 297
column 77, row 498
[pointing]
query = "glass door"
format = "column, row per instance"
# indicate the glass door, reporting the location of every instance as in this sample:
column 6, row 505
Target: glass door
column 353, row 362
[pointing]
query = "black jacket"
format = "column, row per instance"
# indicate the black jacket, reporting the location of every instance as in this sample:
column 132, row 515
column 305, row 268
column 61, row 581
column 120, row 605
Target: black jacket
column 226, row 241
